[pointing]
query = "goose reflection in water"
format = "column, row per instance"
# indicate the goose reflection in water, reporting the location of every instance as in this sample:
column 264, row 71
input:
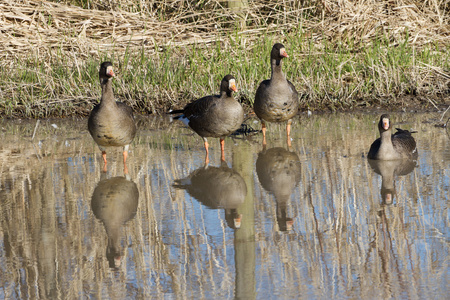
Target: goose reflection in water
column 388, row 169
column 279, row 173
column 115, row 202
column 217, row 187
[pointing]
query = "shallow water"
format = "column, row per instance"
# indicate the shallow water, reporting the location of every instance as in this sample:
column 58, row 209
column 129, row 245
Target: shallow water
column 313, row 222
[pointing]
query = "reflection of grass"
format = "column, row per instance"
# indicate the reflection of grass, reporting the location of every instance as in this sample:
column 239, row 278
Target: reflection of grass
column 339, row 58
column 341, row 232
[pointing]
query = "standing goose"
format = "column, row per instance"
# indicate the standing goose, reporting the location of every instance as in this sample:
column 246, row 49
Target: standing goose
column 276, row 99
column 111, row 123
column 392, row 146
column 214, row 116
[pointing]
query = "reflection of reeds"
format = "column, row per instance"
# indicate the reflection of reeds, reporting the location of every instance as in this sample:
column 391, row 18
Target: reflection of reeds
column 344, row 241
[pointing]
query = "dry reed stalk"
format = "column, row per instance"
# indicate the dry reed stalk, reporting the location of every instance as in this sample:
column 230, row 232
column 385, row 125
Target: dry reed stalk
column 31, row 26
column 365, row 19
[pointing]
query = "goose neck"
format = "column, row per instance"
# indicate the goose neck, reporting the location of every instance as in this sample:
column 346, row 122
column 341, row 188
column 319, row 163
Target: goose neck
column 386, row 137
column 277, row 73
column 107, row 92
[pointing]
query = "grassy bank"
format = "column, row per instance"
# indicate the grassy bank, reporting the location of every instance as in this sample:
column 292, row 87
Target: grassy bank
column 356, row 55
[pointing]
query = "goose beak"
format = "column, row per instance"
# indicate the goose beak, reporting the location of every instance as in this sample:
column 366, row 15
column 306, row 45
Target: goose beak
column 388, row 199
column 283, row 52
column 117, row 261
column 233, row 86
column 110, row 72
column 237, row 221
column 289, row 224
column 385, row 123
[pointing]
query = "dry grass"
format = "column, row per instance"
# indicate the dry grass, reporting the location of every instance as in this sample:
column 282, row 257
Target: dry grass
column 426, row 21
column 42, row 26
column 50, row 51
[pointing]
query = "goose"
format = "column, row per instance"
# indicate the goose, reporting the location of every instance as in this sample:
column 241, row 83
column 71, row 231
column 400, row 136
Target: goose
column 111, row 123
column 214, row 116
column 276, row 99
column 392, row 146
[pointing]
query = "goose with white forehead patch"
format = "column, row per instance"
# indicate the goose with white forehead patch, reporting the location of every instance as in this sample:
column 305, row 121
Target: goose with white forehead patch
column 111, row 123
column 214, row 116
column 392, row 146
column 276, row 99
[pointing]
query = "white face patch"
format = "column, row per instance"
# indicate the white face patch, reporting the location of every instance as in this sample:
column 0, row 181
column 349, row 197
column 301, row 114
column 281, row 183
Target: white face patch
column 283, row 52
column 385, row 123
column 109, row 71
column 232, row 84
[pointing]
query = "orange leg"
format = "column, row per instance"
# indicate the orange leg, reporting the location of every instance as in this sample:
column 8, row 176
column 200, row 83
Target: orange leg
column 104, row 160
column 125, row 155
column 125, row 168
column 207, row 152
column 222, row 149
column 288, row 132
column 263, row 125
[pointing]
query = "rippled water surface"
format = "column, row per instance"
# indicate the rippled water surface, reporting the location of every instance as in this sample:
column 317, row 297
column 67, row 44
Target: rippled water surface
column 315, row 221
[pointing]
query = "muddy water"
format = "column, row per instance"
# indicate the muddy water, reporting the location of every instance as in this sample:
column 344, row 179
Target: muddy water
column 315, row 221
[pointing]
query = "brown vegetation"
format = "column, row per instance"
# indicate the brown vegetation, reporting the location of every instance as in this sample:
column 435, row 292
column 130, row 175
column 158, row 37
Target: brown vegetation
column 41, row 26
column 343, row 52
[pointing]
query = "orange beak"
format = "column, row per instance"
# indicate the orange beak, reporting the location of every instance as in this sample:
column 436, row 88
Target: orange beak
column 385, row 124
column 388, row 199
column 289, row 224
column 237, row 221
column 283, row 52
column 117, row 261
column 233, row 87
